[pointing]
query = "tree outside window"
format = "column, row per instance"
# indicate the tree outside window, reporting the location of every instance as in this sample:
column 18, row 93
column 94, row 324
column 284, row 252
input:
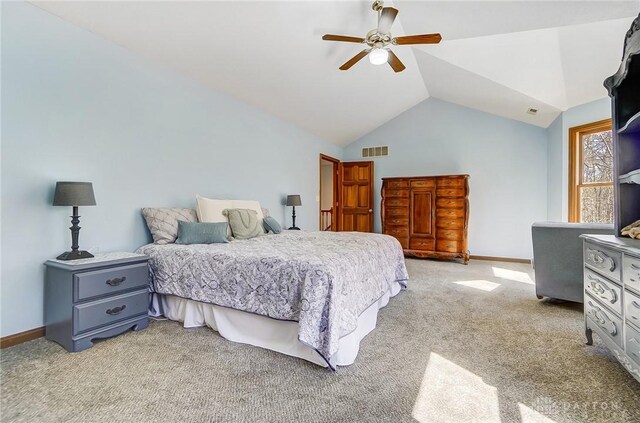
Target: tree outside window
column 591, row 173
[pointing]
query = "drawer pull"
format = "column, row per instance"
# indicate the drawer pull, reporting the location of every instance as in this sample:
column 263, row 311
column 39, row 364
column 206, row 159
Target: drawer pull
column 116, row 281
column 116, row 310
column 602, row 319
column 600, row 289
column 601, row 260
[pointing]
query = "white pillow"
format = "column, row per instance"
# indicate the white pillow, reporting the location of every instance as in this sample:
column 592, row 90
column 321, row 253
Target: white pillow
column 210, row 210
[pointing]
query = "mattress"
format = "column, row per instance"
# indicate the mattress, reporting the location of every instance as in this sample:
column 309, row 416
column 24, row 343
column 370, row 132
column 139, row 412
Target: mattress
column 323, row 281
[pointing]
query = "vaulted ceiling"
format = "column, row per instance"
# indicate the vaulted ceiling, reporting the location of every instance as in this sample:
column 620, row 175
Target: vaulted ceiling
column 501, row 57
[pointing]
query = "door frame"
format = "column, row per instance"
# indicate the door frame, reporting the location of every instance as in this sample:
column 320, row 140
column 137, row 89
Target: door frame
column 334, row 214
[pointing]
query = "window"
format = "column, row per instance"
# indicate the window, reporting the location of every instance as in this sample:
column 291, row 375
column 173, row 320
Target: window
column 591, row 173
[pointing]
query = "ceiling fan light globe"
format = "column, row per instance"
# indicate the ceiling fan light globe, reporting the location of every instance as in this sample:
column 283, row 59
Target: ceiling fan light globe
column 378, row 56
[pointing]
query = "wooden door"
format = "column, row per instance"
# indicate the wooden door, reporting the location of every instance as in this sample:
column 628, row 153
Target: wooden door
column 355, row 197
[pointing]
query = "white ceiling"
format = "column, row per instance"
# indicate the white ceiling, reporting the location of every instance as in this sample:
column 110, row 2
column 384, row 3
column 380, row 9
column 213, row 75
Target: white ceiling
column 500, row 57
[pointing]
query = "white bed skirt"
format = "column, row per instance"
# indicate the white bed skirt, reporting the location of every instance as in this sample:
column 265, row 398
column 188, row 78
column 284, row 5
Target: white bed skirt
column 264, row 332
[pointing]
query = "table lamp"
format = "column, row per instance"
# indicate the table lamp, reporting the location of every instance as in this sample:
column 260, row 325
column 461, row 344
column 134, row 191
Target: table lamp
column 293, row 201
column 74, row 194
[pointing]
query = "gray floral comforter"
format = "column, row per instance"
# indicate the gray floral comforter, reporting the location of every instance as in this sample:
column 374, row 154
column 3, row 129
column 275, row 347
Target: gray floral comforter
column 323, row 280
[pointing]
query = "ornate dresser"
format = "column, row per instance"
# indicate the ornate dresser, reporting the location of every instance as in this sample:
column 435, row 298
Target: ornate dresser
column 429, row 215
column 612, row 263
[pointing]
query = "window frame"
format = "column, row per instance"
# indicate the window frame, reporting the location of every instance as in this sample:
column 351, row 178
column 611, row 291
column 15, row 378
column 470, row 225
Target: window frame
column 575, row 164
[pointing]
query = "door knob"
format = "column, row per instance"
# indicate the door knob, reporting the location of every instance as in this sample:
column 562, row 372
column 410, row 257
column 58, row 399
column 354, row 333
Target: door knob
column 370, row 211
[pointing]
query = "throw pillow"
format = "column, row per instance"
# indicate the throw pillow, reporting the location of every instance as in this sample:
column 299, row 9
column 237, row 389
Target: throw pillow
column 244, row 223
column 201, row 233
column 163, row 222
column 271, row 225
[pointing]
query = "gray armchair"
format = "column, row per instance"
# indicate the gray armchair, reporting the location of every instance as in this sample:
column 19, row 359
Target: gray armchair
column 557, row 258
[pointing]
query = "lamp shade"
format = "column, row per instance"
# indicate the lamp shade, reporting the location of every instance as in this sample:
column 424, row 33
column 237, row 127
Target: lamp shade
column 74, row 194
column 294, row 200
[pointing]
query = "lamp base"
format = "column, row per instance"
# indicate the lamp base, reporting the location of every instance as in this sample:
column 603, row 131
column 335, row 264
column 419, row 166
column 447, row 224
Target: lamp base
column 294, row 228
column 74, row 255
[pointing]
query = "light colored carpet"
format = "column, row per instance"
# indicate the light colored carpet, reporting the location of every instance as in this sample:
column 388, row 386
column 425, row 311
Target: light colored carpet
column 463, row 343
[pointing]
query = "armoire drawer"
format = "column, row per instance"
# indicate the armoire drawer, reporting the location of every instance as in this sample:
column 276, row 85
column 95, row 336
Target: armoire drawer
column 450, row 182
column 449, row 246
column 396, row 221
column 450, row 192
column 602, row 260
column 632, row 308
column 421, row 244
column 396, row 202
column 450, row 223
column 396, row 184
column 396, row 212
column 397, row 231
column 606, row 320
column 403, row 193
column 450, row 234
column 605, row 291
column 441, row 212
column 450, row 203
column 423, row 183
column 631, row 272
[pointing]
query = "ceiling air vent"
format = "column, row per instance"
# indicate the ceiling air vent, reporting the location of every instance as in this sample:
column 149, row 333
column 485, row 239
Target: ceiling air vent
column 375, row 151
column 532, row 111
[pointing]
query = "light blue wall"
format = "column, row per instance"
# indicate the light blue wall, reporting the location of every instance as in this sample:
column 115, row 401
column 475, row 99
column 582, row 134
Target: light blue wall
column 558, row 147
column 76, row 107
column 507, row 161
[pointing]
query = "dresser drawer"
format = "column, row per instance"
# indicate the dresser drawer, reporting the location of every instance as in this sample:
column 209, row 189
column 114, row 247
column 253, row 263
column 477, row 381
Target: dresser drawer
column 403, row 193
column 404, row 242
column 604, row 319
column 450, row 212
column 631, row 272
column 396, row 212
column 421, row 244
column 449, row 246
column 397, row 231
column 450, row 182
column 602, row 260
column 450, row 234
column 396, row 221
column 396, row 202
column 450, row 192
column 632, row 308
column 109, row 281
column 105, row 311
column 423, row 183
column 450, row 203
column 450, row 223
column 396, row 184
column 606, row 292
column 632, row 343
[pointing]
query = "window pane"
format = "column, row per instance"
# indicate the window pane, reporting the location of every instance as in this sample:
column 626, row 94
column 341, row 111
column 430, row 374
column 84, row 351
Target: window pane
column 596, row 204
column 597, row 157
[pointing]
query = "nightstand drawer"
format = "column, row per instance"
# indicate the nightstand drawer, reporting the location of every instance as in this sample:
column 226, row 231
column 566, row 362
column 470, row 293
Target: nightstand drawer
column 109, row 281
column 606, row 320
column 606, row 292
column 109, row 310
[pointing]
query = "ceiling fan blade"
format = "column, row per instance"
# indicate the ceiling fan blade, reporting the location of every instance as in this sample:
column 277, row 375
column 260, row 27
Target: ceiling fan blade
column 395, row 63
column 345, row 38
column 355, row 59
column 387, row 16
column 418, row 39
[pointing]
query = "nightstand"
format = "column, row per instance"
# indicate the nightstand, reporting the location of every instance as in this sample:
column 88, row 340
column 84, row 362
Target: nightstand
column 95, row 298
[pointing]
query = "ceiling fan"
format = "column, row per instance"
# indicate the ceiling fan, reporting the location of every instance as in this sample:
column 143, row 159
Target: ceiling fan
column 378, row 40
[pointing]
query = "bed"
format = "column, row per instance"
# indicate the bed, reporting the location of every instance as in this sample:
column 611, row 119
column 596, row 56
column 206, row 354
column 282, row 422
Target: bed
column 312, row 295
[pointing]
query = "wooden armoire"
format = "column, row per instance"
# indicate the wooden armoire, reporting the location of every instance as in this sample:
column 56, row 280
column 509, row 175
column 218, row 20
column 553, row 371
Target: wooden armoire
column 429, row 215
